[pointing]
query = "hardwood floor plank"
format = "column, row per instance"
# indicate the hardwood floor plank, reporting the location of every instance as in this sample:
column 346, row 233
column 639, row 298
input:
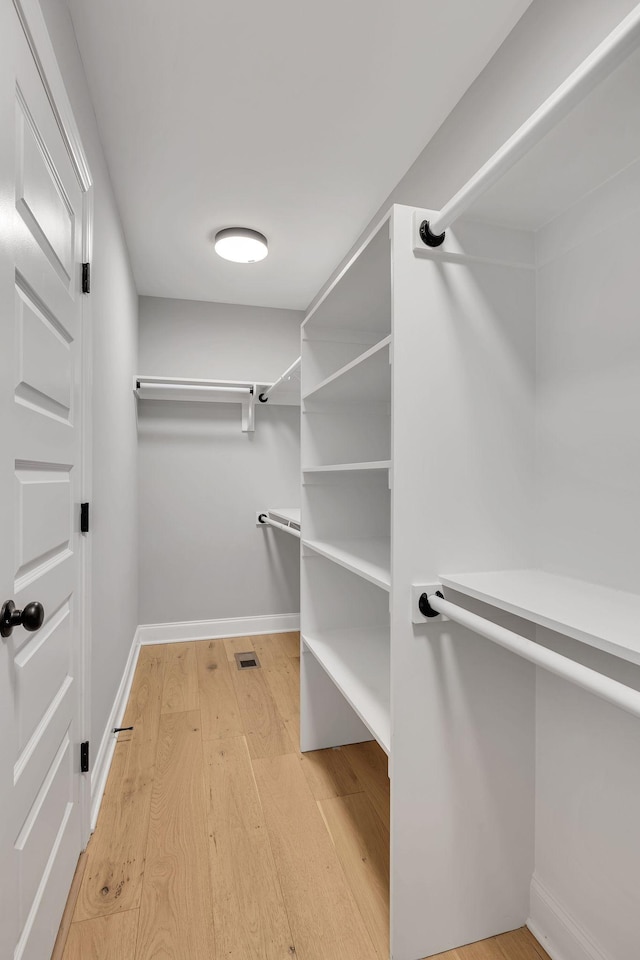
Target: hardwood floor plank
column 290, row 643
column 324, row 918
column 521, row 945
column 249, row 917
column 67, row 916
column 176, row 908
column 482, row 950
column 180, row 692
column 116, row 852
column 218, row 703
column 518, row 944
column 283, row 678
column 370, row 765
column 362, row 843
column 145, row 700
column 329, row 773
column 104, row 938
column 262, row 723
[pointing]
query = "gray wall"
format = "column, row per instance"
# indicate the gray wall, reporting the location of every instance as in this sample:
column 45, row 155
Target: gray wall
column 114, row 320
column 546, row 44
column 201, row 479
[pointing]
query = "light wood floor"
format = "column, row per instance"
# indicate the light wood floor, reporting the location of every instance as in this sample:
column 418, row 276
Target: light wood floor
column 218, row 840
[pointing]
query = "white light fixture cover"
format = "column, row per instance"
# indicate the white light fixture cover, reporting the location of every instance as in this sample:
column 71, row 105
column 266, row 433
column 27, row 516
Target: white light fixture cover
column 241, row 245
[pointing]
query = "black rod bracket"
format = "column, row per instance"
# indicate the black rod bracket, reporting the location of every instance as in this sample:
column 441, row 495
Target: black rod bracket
column 428, row 237
column 421, row 609
column 425, row 607
column 262, row 398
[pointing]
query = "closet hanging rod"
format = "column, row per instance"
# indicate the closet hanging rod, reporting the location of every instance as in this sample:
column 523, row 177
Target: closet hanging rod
column 620, row 695
column 203, row 388
column 595, row 68
column 265, row 519
column 230, row 386
column 264, row 396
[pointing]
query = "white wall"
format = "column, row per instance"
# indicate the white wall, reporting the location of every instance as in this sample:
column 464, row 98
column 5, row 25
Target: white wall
column 588, row 345
column 201, row 480
column 588, row 526
column 114, row 321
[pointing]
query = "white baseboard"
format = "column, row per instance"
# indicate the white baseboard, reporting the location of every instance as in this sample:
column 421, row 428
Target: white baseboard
column 100, row 766
column 217, row 629
column 558, row 932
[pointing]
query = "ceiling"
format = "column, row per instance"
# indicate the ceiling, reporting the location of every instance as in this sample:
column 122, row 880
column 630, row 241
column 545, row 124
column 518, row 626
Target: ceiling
column 291, row 117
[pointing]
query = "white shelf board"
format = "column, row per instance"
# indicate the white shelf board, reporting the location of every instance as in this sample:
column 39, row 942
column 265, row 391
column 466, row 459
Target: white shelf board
column 357, row 660
column 285, row 514
column 368, row 377
column 369, row 559
column 370, row 466
column 359, row 297
column 598, row 616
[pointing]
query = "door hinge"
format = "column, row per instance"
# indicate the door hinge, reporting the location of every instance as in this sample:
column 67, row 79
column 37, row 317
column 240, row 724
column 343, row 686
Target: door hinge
column 86, row 278
column 84, row 757
column 84, row 518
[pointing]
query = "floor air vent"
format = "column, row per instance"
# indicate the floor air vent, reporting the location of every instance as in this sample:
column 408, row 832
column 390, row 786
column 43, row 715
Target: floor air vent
column 247, row 661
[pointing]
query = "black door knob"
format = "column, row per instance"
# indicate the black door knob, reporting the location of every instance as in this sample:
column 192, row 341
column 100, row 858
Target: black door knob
column 31, row 618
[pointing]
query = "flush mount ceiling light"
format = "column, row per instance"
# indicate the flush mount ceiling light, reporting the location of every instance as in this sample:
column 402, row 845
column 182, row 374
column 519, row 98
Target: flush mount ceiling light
column 241, row 245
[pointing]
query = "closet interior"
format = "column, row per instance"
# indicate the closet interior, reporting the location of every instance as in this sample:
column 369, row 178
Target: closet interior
column 470, row 479
column 321, row 634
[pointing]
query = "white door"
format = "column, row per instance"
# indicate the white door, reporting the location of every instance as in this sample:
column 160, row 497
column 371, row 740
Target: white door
column 41, row 224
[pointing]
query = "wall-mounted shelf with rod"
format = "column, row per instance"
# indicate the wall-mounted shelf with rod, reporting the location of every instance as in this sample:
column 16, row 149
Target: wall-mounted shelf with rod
column 599, row 684
column 202, row 391
column 595, row 615
column 286, row 519
column 244, row 392
column 538, row 174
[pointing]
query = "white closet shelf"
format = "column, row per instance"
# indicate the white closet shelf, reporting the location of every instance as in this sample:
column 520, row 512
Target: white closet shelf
column 368, row 467
column 359, row 298
column 538, row 173
column 368, row 377
column 598, row 616
column 183, row 388
column 286, row 390
column 369, row 559
column 286, row 514
column 286, row 519
column 357, row 661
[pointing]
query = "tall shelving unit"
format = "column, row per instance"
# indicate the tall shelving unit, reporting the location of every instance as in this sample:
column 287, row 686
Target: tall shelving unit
column 346, row 467
column 470, row 426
